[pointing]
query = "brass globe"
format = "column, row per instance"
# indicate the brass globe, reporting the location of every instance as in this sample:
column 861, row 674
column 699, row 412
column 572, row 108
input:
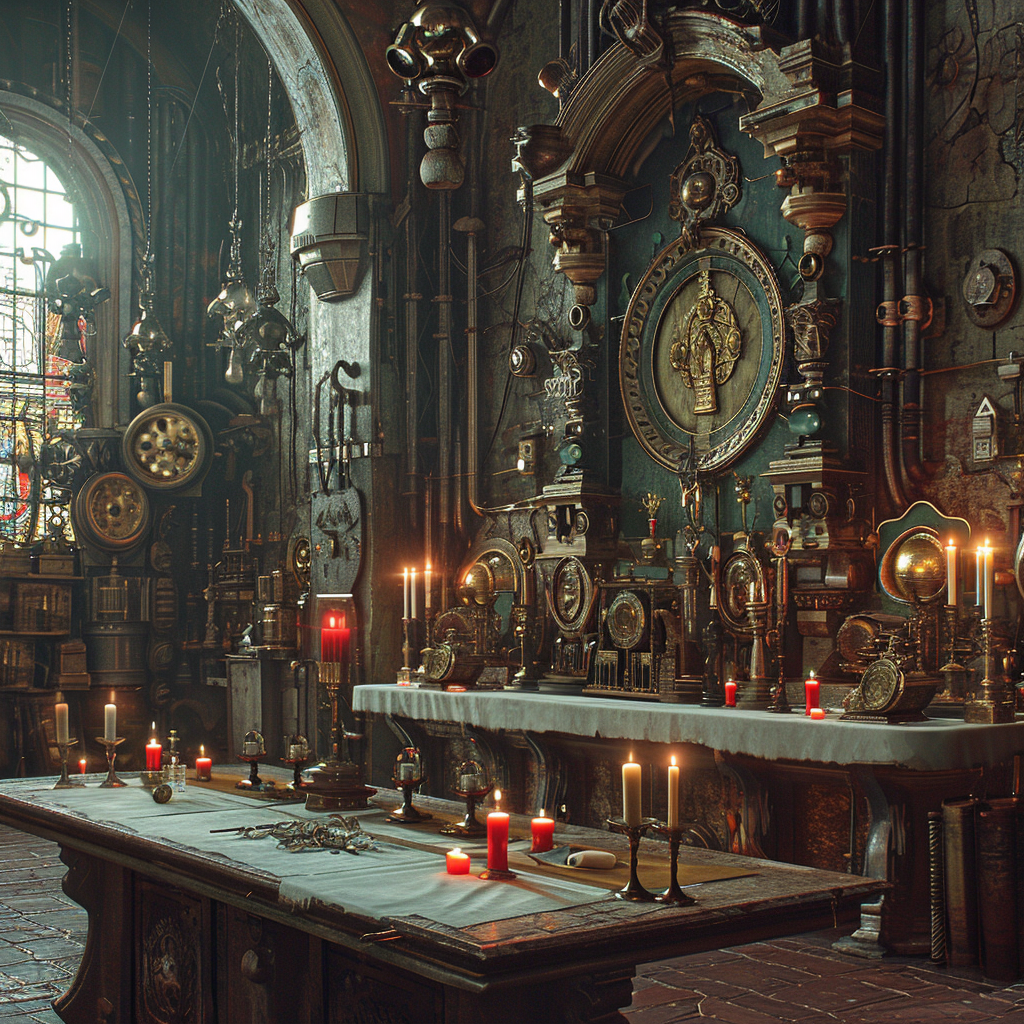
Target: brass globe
column 920, row 568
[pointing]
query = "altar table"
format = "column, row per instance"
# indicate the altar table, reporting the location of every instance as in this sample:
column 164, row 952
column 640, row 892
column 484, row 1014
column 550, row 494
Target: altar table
column 188, row 924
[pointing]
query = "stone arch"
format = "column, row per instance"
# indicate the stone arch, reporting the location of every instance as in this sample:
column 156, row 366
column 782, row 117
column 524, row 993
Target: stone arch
column 319, row 60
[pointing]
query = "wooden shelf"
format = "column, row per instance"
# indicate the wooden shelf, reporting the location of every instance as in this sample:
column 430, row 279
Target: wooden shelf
column 31, row 634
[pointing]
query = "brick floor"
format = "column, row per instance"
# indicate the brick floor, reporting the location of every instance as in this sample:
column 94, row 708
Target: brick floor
column 800, row 979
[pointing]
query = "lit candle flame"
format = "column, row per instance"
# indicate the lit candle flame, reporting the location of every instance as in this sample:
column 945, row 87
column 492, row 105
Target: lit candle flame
column 673, row 760
column 542, row 812
column 497, row 797
column 202, row 750
column 457, row 850
column 112, row 701
column 810, row 675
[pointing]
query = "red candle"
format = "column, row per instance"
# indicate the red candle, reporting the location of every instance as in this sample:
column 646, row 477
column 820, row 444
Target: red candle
column 543, row 831
column 497, row 837
column 153, row 752
column 81, row 766
column 817, row 714
column 730, row 693
column 812, row 693
column 457, row 862
column 204, row 766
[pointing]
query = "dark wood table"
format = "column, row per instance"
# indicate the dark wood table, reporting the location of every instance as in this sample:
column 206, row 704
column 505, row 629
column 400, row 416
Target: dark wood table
column 182, row 933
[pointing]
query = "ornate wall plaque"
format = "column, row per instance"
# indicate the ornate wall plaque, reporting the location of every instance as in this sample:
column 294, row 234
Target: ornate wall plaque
column 701, row 350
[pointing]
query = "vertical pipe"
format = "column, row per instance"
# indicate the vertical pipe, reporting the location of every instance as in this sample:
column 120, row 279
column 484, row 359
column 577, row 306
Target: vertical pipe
column 803, row 24
column 471, row 226
column 591, row 8
column 890, row 266
column 444, row 374
column 564, row 28
column 411, row 299
column 913, row 199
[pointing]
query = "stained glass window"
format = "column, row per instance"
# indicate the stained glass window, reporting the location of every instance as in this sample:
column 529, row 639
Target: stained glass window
column 37, row 225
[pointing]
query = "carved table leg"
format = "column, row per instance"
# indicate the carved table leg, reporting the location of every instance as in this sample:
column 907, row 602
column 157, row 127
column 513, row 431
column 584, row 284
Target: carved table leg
column 101, row 990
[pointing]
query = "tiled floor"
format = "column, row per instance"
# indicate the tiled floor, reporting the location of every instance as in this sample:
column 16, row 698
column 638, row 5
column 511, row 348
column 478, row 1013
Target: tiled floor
column 42, row 935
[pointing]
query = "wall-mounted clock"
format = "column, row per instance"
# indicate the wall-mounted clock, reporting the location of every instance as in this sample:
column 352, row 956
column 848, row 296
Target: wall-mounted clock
column 701, row 350
column 111, row 512
column 168, row 447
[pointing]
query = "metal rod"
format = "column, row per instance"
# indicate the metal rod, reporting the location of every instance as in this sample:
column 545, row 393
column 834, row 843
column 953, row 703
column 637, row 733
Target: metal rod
column 412, row 329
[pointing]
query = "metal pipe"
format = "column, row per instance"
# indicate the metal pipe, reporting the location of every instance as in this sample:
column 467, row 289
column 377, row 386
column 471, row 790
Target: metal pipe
column 444, row 360
column 913, row 171
column 471, row 226
column 890, row 269
column 803, row 23
column 564, row 28
column 411, row 298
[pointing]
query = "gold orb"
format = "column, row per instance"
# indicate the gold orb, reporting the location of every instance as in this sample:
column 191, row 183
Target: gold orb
column 920, row 568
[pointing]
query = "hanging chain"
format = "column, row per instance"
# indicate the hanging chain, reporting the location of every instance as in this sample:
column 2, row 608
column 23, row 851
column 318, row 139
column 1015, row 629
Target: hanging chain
column 235, row 258
column 68, row 89
column 270, row 96
column 149, row 126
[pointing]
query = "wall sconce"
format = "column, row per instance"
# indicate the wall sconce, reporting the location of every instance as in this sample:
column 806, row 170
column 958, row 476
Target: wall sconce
column 329, row 242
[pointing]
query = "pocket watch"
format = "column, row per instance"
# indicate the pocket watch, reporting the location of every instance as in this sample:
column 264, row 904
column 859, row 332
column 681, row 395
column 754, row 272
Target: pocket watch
column 887, row 692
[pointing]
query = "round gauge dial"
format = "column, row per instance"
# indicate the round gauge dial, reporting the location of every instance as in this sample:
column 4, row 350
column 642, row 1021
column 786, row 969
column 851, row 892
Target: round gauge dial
column 111, row 512
column 880, row 685
column 626, row 619
column 168, row 447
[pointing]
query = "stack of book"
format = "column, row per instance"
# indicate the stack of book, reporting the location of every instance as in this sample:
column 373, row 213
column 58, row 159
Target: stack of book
column 983, row 844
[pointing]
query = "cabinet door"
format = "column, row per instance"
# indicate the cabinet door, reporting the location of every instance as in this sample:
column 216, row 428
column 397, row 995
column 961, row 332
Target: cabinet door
column 172, row 951
column 266, row 971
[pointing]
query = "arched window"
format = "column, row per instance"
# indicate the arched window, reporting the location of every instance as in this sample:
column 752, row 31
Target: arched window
column 40, row 342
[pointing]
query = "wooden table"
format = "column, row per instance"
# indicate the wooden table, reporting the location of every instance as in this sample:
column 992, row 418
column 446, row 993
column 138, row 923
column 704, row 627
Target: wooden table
column 199, row 933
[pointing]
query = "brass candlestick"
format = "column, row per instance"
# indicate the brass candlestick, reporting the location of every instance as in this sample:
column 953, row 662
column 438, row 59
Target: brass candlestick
column 64, row 782
column 993, row 703
column 296, row 762
column 673, row 894
column 633, row 890
column 757, row 694
column 111, row 781
column 954, row 674
column 406, row 775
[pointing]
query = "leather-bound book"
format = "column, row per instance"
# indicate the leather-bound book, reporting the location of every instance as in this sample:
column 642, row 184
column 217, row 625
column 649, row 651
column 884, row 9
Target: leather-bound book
column 961, row 888
column 996, row 852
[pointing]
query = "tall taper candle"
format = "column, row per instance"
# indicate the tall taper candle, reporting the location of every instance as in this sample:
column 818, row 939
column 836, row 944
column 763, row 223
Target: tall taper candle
column 110, row 722
column 631, row 806
column 428, row 578
column 951, row 572
column 987, row 580
column 415, row 609
column 61, row 717
column 673, row 794
column 405, row 593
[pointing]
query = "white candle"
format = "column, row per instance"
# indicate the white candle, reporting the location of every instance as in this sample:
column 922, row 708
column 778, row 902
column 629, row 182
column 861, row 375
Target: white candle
column 405, row 593
column 427, row 579
column 951, row 572
column 412, row 587
column 631, row 807
column 979, row 572
column 673, row 794
column 110, row 722
column 62, row 723
column 987, row 580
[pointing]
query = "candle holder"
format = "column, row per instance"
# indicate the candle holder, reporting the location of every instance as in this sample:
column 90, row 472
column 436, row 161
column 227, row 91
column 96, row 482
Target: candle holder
column 756, row 695
column 64, row 782
column 993, row 703
column 633, row 890
column 673, row 894
column 336, row 784
column 494, row 875
column 111, row 781
column 469, row 826
column 953, row 673
column 254, row 781
column 298, row 755
column 406, row 775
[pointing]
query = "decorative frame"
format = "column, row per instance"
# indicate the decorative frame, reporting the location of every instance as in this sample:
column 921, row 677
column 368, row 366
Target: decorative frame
column 659, row 420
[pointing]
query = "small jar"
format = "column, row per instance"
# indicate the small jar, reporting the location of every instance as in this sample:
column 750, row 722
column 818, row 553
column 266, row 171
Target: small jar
column 174, row 776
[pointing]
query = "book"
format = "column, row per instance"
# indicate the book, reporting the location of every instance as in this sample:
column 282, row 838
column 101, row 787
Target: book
column 960, row 887
column 996, row 857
